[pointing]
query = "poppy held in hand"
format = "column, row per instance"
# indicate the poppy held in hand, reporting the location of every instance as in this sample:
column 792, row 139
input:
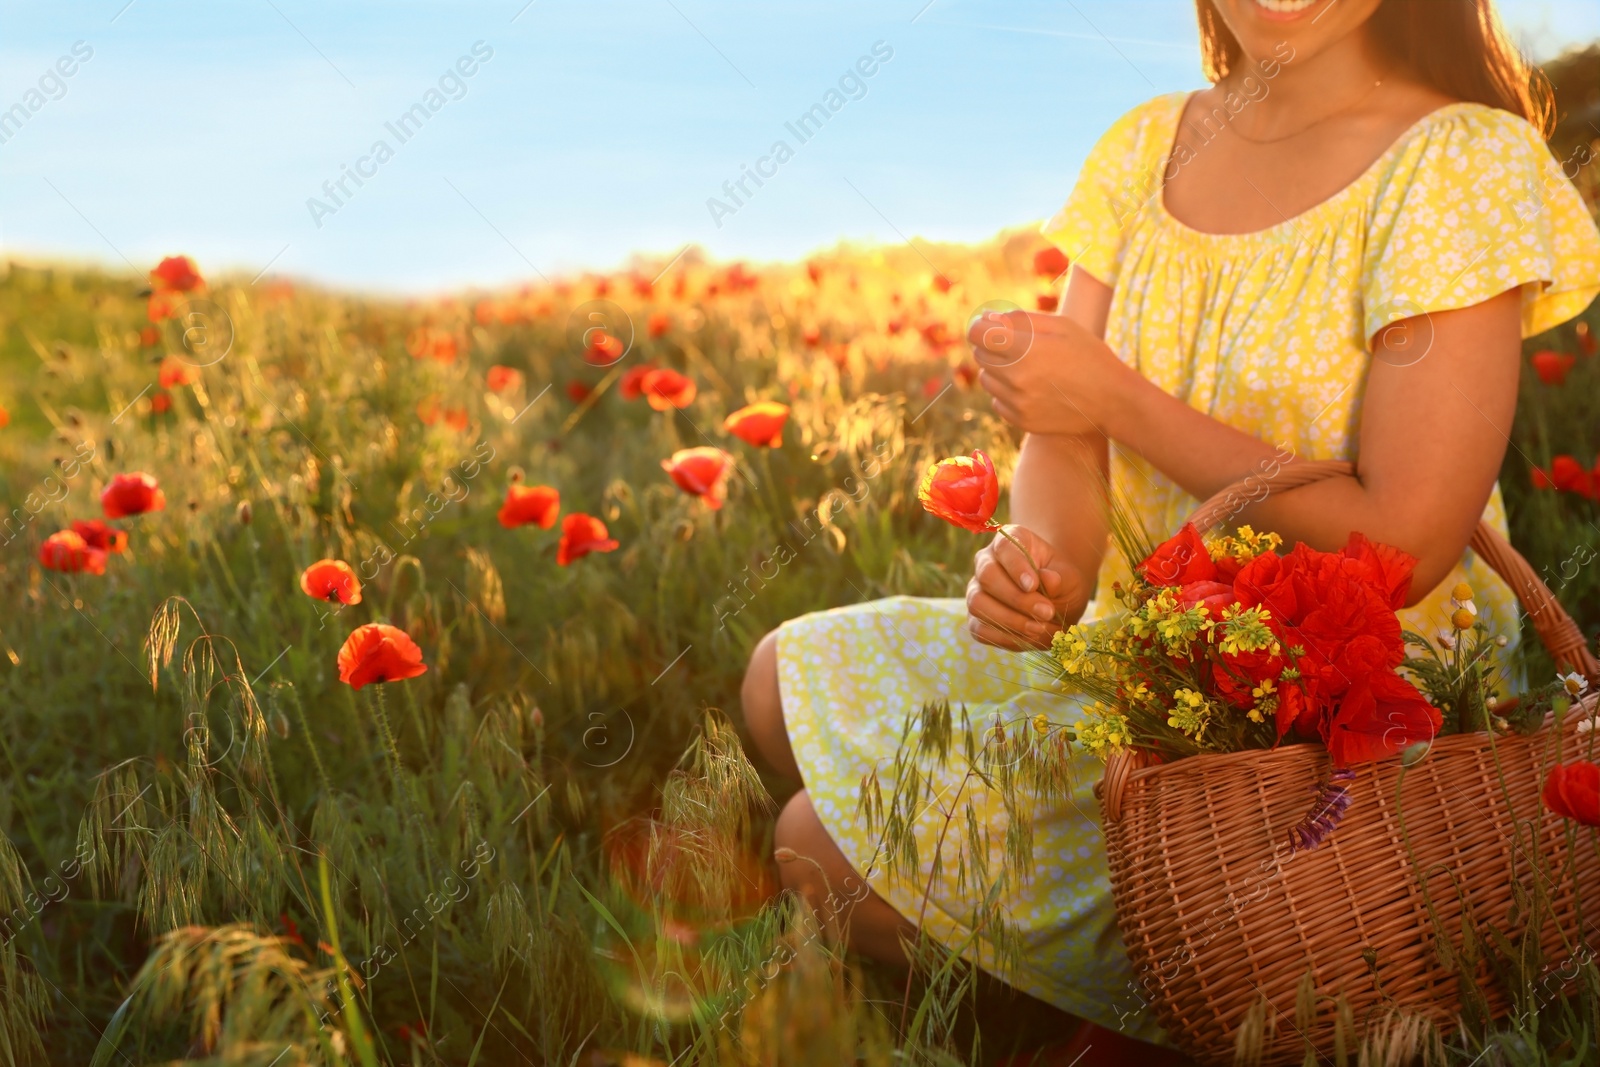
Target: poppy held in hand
column 98, row 534
column 378, row 652
column 176, row 274
column 702, row 472
column 759, row 424
column 666, row 389
column 580, row 535
column 132, row 494
column 1572, row 791
column 962, row 490
column 67, row 552
column 535, row 504
column 331, row 580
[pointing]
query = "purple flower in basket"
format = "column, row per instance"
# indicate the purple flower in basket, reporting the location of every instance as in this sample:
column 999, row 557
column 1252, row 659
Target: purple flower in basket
column 1333, row 800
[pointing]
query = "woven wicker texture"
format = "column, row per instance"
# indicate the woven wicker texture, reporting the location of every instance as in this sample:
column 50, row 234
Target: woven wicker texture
column 1217, row 914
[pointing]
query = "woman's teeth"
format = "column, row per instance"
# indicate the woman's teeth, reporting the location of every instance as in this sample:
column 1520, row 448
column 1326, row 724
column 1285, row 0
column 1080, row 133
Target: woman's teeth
column 1285, row 7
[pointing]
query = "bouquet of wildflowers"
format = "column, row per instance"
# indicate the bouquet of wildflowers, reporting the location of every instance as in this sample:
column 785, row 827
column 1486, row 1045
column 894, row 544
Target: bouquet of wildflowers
column 1223, row 644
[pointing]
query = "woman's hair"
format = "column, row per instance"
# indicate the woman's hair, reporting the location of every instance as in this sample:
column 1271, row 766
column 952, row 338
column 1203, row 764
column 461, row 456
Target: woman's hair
column 1457, row 46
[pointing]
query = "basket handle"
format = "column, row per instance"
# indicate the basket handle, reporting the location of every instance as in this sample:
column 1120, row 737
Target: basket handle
column 1557, row 631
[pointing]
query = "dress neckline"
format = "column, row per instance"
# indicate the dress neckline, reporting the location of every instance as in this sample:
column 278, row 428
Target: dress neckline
column 1292, row 223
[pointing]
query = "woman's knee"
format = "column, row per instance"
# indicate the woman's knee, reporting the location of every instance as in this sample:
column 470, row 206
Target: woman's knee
column 812, row 865
column 763, row 707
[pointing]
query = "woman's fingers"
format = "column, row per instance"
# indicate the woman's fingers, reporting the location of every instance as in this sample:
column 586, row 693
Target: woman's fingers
column 989, row 609
column 1021, row 555
column 992, row 635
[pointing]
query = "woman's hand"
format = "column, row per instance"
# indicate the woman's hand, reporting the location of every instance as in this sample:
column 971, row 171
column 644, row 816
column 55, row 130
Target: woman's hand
column 1046, row 373
column 1006, row 606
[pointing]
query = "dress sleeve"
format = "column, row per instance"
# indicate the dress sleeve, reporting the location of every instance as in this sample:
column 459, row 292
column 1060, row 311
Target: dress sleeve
column 1114, row 185
column 1473, row 205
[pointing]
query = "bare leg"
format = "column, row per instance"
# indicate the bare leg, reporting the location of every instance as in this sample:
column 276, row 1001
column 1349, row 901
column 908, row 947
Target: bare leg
column 821, row 869
column 763, row 710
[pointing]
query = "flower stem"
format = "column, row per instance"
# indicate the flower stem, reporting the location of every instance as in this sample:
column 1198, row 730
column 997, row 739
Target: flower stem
column 1038, row 578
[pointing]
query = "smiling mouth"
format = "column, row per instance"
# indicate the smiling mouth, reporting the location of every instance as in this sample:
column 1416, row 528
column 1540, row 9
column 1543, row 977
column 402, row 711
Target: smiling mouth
column 1285, row 8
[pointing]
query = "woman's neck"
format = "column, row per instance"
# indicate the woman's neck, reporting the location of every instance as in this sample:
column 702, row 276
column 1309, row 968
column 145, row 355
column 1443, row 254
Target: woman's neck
column 1306, row 86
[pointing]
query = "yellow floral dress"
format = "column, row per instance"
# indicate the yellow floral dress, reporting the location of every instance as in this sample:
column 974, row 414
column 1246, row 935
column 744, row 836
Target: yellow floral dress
column 1267, row 331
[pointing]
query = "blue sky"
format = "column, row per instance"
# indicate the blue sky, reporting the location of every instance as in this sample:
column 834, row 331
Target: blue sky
column 596, row 129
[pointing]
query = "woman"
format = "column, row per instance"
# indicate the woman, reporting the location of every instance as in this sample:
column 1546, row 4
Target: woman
column 1332, row 252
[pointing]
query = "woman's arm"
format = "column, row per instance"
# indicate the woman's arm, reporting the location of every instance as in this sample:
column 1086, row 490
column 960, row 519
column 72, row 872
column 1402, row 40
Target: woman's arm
column 1435, row 418
column 1057, row 514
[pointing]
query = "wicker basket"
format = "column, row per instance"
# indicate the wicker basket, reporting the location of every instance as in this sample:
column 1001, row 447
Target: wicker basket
column 1217, row 916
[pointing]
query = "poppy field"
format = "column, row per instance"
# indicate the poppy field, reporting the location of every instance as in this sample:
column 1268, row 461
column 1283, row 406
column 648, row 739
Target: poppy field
column 369, row 670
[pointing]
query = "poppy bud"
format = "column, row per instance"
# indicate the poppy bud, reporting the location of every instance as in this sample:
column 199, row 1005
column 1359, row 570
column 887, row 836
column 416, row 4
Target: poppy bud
column 785, row 854
column 243, row 513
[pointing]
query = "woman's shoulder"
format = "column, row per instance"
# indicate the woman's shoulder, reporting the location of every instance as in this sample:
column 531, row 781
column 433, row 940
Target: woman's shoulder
column 1140, row 136
column 1470, row 143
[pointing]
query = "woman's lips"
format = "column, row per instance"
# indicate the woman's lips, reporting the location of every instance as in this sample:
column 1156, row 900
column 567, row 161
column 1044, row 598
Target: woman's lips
column 1283, row 10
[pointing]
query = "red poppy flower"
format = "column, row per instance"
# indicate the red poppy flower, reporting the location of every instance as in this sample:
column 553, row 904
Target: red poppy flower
column 580, row 535
column 1572, row 791
column 163, row 304
column 631, row 386
column 933, row 387
column 291, row 929
column 378, row 652
column 578, row 392
column 658, row 324
column 1586, row 341
column 966, row 374
column 1179, row 560
column 332, row 580
column 99, row 534
column 1552, row 367
column 1383, row 567
column 601, row 349
column 896, row 324
column 1047, row 302
column 409, row 1032
column 962, row 490
column 161, row 403
column 1050, row 262
column 811, row 336
column 1380, row 715
column 425, row 342
column 814, row 272
column 5, row 418
column 643, row 287
column 1568, row 475
column 175, row 372
column 67, row 551
column 665, row 389
column 759, row 424
column 432, row 413
column 149, row 336
column 937, row 335
column 502, row 379
column 941, row 283
column 702, row 472
column 525, row 504
column 132, row 494
column 176, row 273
